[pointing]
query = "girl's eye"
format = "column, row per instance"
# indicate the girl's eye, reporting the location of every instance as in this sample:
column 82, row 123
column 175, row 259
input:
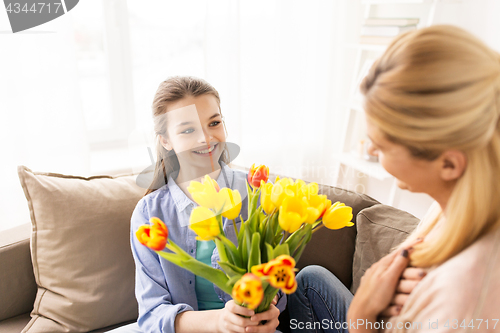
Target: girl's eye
column 188, row 131
column 215, row 123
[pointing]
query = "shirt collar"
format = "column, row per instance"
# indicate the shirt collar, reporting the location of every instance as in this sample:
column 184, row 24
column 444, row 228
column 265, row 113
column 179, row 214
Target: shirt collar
column 181, row 201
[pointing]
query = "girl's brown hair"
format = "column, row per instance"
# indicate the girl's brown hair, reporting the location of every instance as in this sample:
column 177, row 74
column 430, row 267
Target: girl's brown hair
column 169, row 91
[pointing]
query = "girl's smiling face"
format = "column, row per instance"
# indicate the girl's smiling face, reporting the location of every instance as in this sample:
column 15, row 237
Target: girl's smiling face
column 195, row 131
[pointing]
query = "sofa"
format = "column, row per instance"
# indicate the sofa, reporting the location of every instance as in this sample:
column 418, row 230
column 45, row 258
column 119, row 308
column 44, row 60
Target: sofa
column 71, row 269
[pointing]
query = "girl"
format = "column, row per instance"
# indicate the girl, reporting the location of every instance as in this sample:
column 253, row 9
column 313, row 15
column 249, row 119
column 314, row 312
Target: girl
column 191, row 143
column 432, row 103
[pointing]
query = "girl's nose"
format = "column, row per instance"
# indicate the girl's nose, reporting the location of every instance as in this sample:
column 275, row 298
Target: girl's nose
column 205, row 138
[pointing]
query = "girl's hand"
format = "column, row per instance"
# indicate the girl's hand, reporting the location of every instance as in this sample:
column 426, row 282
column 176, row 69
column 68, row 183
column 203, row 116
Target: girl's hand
column 271, row 320
column 378, row 286
column 411, row 277
column 230, row 318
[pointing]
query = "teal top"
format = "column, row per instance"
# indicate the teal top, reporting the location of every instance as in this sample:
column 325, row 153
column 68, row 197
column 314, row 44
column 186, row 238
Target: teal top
column 205, row 293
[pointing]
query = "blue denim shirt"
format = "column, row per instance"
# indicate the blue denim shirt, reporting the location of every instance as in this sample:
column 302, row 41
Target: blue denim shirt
column 162, row 288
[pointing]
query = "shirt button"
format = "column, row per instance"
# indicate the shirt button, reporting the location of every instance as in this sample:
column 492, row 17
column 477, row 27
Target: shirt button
column 190, row 282
column 192, row 250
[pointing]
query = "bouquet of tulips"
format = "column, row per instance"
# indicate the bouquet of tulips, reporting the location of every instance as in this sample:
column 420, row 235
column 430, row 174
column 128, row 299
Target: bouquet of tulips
column 270, row 241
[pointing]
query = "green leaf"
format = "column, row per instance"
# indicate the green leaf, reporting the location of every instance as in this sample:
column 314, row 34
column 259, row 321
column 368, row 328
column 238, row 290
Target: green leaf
column 269, row 253
column 232, row 280
column 172, row 257
column 281, row 249
column 221, row 249
column 213, row 275
column 254, row 257
column 241, row 233
column 269, row 293
column 296, row 238
column 230, row 269
column 243, row 248
column 302, row 246
column 252, row 222
column 231, row 250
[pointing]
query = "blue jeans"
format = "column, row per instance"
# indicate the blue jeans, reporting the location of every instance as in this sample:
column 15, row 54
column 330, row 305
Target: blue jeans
column 320, row 303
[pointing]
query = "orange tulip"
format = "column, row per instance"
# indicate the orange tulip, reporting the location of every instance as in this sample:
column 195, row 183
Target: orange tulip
column 248, row 291
column 154, row 236
column 279, row 272
column 256, row 174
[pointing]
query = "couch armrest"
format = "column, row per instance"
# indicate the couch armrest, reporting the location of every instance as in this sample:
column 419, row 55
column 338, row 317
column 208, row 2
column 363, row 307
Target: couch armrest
column 17, row 282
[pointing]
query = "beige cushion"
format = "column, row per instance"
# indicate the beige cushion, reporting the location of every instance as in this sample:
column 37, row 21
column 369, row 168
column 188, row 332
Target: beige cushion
column 380, row 229
column 80, row 248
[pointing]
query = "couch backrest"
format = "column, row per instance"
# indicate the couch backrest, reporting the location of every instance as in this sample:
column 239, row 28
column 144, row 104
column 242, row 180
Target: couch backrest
column 334, row 249
column 17, row 281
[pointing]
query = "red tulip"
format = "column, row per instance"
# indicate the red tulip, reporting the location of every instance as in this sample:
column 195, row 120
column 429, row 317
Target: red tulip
column 256, row 174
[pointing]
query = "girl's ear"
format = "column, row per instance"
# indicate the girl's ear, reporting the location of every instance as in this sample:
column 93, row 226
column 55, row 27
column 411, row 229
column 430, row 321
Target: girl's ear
column 165, row 143
column 453, row 164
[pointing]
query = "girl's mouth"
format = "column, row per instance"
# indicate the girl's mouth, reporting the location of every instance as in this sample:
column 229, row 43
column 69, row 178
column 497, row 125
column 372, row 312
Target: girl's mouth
column 206, row 151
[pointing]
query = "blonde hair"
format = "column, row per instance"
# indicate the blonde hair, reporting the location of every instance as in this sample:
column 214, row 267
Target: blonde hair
column 169, row 91
column 436, row 89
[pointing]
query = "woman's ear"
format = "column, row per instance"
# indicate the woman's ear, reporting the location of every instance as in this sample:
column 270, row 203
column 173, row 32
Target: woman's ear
column 453, row 164
column 165, row 143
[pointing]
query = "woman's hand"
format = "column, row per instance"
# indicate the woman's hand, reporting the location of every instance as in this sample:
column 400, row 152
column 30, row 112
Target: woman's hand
column 411, row 277
column 378, row 286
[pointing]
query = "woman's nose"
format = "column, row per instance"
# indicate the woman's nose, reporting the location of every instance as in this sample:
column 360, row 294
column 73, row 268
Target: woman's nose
column 371, row 150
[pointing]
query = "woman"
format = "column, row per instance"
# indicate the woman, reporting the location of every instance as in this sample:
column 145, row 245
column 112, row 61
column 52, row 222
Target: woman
column 432, row 103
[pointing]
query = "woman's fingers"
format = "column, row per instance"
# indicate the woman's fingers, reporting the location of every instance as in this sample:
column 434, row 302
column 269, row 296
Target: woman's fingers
column 397, row 266
column 399, row 299
column 413, row 273
column 391, row 311
column 406, row 286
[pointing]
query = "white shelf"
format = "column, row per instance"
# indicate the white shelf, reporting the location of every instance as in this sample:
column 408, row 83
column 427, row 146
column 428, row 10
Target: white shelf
column 381, row 2
column 356, row 106
column 372, row 169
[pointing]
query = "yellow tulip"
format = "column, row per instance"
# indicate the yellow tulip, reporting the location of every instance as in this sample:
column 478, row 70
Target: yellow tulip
column 265, row 197
column 206, row 193
column 280, row 191
column 293, row 213
column 317, row 206
column 204, row 223
column 232, row 203
column 338, row 216
column 248, row 291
